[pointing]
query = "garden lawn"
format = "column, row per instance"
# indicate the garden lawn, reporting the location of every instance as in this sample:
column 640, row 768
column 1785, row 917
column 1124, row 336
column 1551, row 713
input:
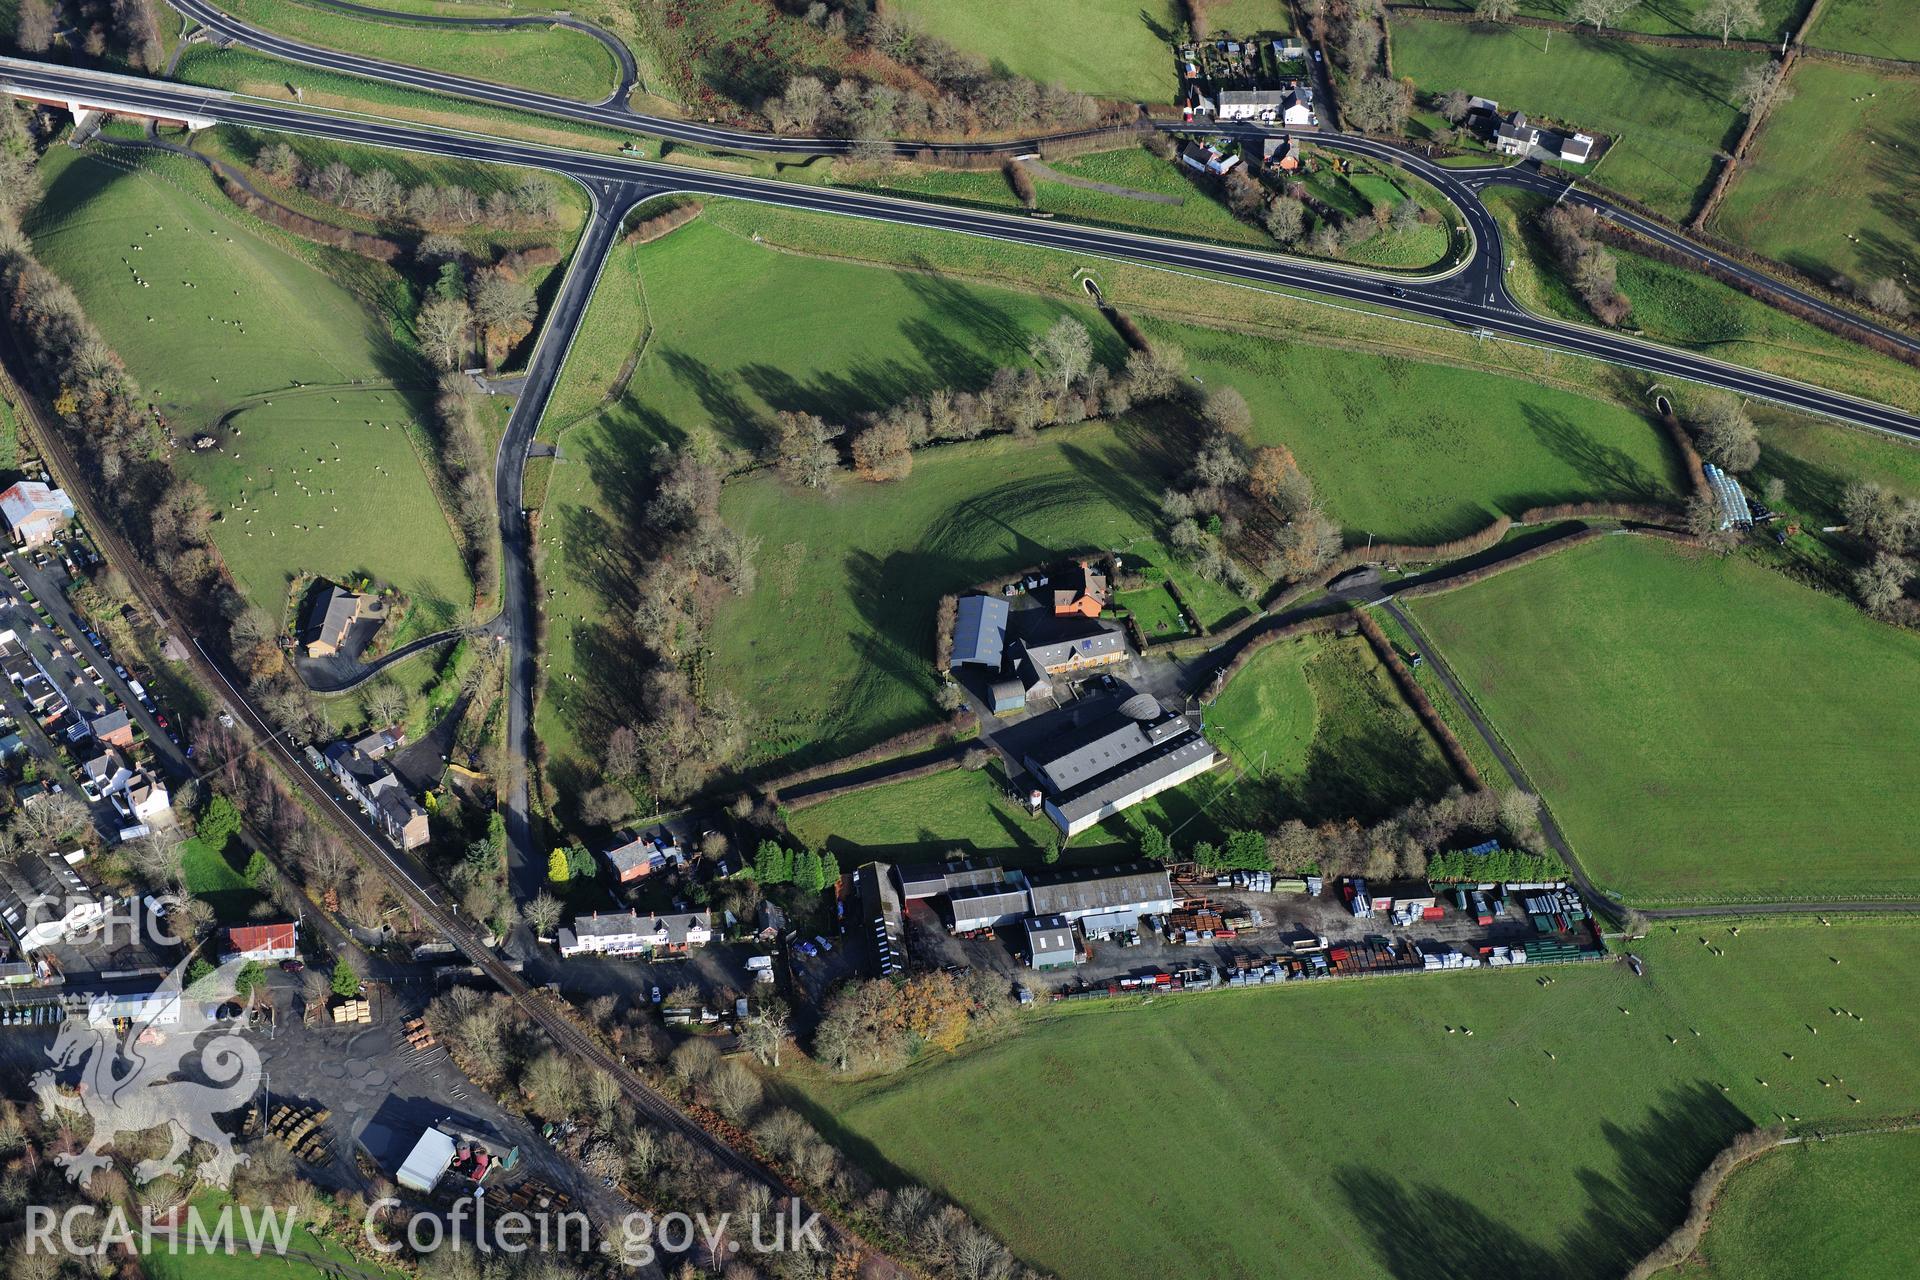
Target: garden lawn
column 265, row 351
column 1248, row 17
column 962, row 813
column 1669, row 111
column 556, row 60
column 1320, row 722
column 1688, row 309
column 206, row 1264
column 1816, row 1209
column 1558, row 1140
column 1108, row 48
column 1878, row 28
column 1703, row 729
column 1836, row 162
column 1666, row 18
column 1411, row 452
column 210, row 876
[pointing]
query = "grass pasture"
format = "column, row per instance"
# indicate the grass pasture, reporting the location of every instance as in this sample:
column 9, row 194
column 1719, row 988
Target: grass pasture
column 556, row 60
column 1665, row 17
column 219, row 321
column 1669, row 111
column 1828, row 186
column 1703, row 729
column 1877, row 28
column 1108, row 48
column 1691, row 310
column 1559, row 1140
column 1812, row 1209
column 1411, row 452
column 1319, row 720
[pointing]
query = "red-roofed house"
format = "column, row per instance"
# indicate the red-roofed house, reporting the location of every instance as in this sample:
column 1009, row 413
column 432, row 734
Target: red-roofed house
column 263, row 942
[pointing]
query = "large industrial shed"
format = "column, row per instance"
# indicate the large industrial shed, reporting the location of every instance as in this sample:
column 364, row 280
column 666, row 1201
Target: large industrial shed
column 1093, row 771
column 1137, row 887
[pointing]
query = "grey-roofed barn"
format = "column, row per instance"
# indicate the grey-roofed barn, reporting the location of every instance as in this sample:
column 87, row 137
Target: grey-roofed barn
column 979, row 632
column 985, row 906
column 1140, row 887
column 1049, row 942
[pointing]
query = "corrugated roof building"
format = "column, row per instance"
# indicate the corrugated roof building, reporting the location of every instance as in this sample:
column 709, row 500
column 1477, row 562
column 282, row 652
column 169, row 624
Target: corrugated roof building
column 979, row 632
column 1139, row 887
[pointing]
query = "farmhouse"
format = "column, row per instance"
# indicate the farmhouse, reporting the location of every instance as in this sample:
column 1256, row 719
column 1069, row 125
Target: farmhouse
column 1299, row 109
column 979, row 632
column 44, row 901
column 34, row 512
column 1515, row 137
column 1139, row 888
column 1206, row 158
column 331, row 614
column 1096, row 645
column 1092, row 771
column 1079, row 592
column 1050, row 942
column 1251, row 104
column 267, row 943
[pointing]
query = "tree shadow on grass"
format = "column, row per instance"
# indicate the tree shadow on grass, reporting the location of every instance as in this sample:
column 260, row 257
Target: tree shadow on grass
column 1605, row 471
column 1430, row 1233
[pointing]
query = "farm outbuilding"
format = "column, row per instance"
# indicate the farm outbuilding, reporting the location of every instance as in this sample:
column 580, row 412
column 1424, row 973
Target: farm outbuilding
column 986, row 906
column 1050, row 942
column 979, row 632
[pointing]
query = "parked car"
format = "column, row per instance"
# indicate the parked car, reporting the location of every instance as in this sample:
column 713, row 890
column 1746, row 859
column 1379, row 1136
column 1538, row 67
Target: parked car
column 292, row 966
column 822, row 940
column 807, row 949
column 654, row 994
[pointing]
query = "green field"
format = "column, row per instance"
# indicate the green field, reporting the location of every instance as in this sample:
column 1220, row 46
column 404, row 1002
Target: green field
column 1155, row 612
column 227, row 321
column 1336, row 1130
column 1687, row 309
column 1837, row 1208
column 1835, row 163
column 1878, row 28
column 1321, row 722
column 1248, row 17
column 1702, row 728
column 1669, row 111
column 1663, row 17
column 556, row 60
column 1413, row 452
column 1108, row 48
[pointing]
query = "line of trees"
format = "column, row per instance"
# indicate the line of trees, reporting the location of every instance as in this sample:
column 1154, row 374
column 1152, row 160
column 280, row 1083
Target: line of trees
column 1402, row 844
column 1355, row 33
column 377, row 193
column 809, row 870
column 1068, row 385
column 878, row 1025
column 490, row 306
column 968, row 94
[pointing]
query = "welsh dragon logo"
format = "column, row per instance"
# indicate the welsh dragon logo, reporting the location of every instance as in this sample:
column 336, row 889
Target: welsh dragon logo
column 142, row 1080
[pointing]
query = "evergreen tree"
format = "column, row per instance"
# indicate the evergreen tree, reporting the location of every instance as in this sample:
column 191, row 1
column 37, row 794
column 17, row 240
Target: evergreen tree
column 559, row 867
column 829, row 869
column 806, row 871
column 767, row 862
column 346, row 983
